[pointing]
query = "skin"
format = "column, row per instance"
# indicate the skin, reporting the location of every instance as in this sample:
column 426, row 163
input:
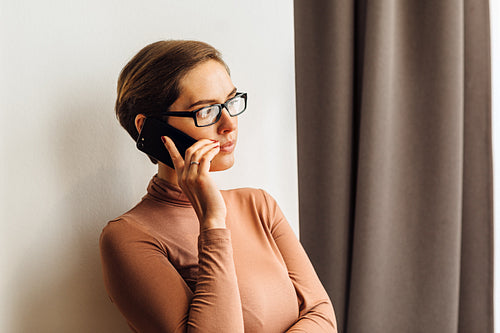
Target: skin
column 206, row 84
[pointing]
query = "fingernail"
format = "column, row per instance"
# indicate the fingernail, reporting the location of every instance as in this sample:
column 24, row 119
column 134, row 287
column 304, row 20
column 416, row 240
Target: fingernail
column 163, row 139
column 214, row 140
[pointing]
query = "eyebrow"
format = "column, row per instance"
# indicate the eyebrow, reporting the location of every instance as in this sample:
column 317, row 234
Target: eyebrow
column 211, row 101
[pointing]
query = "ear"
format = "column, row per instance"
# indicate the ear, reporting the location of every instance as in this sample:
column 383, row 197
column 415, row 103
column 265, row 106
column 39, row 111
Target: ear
column 139, row 121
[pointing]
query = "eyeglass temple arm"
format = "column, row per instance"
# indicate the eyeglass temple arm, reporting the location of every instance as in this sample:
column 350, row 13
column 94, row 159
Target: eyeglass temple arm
column 178, row 113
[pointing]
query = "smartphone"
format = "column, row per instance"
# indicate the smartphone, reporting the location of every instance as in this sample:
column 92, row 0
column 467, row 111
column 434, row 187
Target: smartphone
column 149, row 140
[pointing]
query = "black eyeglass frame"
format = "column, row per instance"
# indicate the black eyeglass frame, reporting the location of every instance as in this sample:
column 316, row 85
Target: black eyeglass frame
column 192, row 114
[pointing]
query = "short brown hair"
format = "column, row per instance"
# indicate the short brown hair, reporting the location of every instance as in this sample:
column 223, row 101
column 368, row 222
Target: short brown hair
column 150, row 82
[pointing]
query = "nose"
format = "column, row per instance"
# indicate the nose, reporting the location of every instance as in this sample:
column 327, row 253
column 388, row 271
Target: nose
column 226, row 123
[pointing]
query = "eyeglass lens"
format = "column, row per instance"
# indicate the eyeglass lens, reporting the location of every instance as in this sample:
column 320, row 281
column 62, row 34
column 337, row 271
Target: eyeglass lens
column 209, row 115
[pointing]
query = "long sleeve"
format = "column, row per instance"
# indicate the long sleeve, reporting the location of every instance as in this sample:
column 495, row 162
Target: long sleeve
column 252, row 277
column 152, row 295
column 316, row 311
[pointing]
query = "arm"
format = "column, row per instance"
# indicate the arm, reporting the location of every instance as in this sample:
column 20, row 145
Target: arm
column 315, row 308
column 148, row 289
column 153, row 296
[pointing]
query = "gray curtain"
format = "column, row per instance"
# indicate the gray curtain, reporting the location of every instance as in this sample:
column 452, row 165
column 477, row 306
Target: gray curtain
column 395, row 161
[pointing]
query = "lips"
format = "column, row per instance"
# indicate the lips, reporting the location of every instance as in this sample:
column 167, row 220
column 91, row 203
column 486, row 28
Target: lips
column 227, row 147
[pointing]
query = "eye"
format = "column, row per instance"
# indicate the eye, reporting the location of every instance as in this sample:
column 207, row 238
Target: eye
column 236, row 105
column 207, row 115
column 207, row 112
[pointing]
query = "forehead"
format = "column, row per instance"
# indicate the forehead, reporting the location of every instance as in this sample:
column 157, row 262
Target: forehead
column 208, row 80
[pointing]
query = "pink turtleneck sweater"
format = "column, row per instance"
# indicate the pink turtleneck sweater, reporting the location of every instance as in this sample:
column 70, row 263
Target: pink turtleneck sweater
column 253, row 276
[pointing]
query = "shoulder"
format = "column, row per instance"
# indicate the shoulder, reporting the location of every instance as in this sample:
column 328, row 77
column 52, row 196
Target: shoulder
column 122, row 233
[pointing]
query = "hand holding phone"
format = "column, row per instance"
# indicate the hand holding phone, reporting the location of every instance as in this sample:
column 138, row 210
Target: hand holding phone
column 206, row 199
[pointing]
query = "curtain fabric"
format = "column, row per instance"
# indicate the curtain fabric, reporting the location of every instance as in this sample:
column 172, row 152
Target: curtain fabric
column 395, row 161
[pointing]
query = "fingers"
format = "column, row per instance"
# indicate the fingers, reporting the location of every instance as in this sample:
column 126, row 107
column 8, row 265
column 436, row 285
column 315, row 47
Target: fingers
column 200, row 153
column 196, row 182
column 199, row 159
column 207, row 158
column 174, row 153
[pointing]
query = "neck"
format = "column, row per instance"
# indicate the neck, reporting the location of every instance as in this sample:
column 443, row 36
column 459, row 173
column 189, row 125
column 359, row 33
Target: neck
column 167, row 173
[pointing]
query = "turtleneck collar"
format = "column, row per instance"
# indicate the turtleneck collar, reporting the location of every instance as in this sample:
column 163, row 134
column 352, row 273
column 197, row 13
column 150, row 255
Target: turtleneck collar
column 164, row 191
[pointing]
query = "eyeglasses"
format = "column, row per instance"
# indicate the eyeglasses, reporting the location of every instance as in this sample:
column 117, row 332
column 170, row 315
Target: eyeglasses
column 209, row 115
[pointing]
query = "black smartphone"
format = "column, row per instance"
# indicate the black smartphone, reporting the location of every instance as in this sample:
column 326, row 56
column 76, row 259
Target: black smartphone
column 149, row 140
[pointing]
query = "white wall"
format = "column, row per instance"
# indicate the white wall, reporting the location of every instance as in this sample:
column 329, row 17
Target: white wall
column 66, row 165
column 495, row 59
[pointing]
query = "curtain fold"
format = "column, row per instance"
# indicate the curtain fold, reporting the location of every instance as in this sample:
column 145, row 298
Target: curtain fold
column 395, row 162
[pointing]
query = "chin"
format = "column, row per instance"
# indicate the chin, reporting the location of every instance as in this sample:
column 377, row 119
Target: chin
column 221, row 163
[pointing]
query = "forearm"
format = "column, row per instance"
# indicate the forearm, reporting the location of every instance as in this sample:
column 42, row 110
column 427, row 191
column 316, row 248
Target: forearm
column 216, row 304
column 318, row 319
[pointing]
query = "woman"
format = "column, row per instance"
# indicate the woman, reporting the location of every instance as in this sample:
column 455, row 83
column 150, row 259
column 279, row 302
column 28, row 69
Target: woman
column 189, row 257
